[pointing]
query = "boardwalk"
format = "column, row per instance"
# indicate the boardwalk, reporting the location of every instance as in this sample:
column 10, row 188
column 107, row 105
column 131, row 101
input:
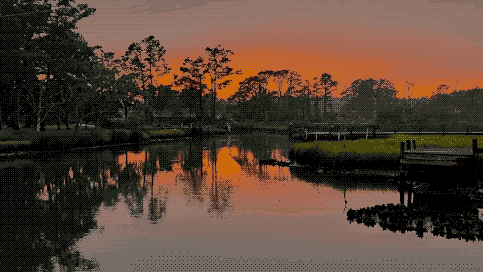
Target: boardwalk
column 439, row 156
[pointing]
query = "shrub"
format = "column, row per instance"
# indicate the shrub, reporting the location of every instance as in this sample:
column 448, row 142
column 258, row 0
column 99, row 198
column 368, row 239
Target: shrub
column 104, row 136
column 48, row 141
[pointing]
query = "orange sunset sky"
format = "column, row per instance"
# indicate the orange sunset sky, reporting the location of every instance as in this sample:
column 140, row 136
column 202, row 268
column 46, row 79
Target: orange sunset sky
column 425, row 42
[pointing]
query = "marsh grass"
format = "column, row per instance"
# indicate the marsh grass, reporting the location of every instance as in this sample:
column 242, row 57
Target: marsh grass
column 160, row 133
column 378, row 149
column 52, row 139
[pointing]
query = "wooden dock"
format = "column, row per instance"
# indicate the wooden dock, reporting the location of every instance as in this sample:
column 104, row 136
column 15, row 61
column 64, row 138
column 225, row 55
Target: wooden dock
column 411, row 155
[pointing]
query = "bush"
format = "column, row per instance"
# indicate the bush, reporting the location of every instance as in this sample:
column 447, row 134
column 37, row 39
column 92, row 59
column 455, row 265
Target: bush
column 104, row 136
column 48, row 141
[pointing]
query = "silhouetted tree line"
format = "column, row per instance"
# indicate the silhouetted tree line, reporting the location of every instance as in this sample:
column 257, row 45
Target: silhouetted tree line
column 51, row 76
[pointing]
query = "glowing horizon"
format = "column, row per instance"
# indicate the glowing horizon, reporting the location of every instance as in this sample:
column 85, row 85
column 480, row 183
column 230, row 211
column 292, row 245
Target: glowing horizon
column 424, row 43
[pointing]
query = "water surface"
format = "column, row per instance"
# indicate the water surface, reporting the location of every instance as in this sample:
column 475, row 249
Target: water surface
column 203, row 204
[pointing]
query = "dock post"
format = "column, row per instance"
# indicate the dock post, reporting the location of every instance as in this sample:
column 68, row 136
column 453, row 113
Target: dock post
column 374, row 132
column 402, row 150
column 367, row 133
column 408, row 144
column 414, row 144
column 402, row 181
column 475, row 147
column 410, row 191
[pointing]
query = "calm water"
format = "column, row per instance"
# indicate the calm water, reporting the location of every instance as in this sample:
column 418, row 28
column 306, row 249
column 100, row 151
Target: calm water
column 203, row 205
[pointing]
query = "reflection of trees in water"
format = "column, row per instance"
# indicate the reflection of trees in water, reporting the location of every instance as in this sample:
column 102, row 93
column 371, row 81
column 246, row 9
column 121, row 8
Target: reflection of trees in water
column 131, row 189
column 165, row 155
column 220, row 192
column 76, row 184
column 263, row 146
column 461, row 223
column 157, row 205
column 192, row 166
column 43, row 230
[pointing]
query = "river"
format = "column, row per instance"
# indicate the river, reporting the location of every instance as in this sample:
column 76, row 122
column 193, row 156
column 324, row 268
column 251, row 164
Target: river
column 203, row 205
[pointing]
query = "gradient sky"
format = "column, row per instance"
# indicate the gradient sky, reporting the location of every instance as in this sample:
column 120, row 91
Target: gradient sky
column 425, row 42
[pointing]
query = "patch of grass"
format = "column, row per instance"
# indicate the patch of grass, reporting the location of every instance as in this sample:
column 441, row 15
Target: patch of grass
column 7, row 146
column 54, row 127
column 161, row 133
column 382, row 148
column 433, row 141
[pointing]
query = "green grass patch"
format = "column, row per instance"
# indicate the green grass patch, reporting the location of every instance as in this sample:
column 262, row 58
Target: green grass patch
column 55, row 127
column 383, row 148
column 161, row 133
column 434, row 141
column 13, row 145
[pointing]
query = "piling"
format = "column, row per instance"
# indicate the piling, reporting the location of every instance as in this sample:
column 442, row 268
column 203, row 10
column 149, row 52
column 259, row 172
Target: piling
column 408, row 144
column 410, row 191
column 401, row 155
column 401, row 191
column 475, row 147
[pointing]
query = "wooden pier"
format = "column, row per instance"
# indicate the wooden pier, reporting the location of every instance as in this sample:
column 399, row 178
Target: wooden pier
column 411, row 155
column 340, row 132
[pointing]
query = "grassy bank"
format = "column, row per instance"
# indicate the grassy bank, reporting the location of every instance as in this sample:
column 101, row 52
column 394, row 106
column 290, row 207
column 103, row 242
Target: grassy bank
column 382, row 153
column 11, row 141
column 249, row 127
column 64, row 139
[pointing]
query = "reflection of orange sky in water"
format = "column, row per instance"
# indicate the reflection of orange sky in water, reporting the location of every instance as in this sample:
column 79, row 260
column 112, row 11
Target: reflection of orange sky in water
column 132, row 158
column 271, row 191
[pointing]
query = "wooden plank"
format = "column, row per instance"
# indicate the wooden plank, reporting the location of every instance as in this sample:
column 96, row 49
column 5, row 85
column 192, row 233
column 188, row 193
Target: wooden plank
column 436, row 158
column 442, row 151
column 428, row 162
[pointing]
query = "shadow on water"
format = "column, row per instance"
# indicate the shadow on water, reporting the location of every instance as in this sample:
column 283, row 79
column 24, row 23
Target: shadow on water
column 42, row 217
column 461, row 223
column 453, row 211
column 432, row 206
column 53, row 202
column 346, row 181
column 50, row 202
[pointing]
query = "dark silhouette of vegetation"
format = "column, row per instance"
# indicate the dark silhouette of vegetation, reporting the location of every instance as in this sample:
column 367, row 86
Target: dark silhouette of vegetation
column 366, row 97
column 461, row 223
column 218, row 70
column 195, row 73
column 52, row 76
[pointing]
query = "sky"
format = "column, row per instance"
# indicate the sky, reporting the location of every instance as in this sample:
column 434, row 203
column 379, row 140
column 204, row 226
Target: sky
column 424, row 42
